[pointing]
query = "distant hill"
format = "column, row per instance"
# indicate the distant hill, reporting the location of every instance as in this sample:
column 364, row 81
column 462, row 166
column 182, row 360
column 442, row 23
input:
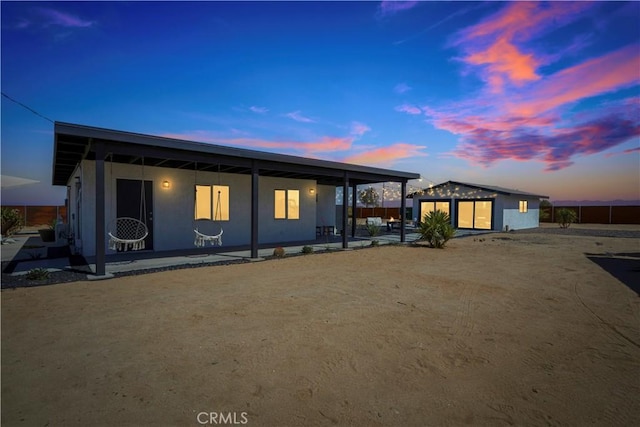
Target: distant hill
column 595, row 202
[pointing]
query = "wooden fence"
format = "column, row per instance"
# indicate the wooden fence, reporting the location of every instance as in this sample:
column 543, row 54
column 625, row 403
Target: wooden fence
column 598, row 214
column 40, row 215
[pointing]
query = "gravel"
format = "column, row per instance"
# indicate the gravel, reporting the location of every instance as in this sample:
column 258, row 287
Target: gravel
column 9, row 281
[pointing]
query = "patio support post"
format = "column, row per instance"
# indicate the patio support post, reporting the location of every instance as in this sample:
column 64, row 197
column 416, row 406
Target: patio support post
column 403, row 209
column 353, row 210
column 345, row 211
column 254, row 208
column 100, row 211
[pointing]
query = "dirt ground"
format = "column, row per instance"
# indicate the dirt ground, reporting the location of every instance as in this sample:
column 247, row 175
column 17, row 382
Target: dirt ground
column 502, row 329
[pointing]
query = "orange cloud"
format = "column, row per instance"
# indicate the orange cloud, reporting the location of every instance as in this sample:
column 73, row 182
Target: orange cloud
column 385, row 156
column 503, row 58
column 493, row 43
column 324, row 144
column 522, row 20
column 607, row 73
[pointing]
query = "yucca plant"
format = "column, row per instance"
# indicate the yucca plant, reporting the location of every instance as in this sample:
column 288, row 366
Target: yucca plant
column 436, row 228
column 373, row 230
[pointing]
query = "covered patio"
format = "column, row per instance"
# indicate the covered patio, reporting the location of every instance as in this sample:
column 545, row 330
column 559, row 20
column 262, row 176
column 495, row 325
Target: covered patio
column 74, row 143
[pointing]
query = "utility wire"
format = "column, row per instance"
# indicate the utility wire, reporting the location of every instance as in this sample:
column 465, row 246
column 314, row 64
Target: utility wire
column 28, row 108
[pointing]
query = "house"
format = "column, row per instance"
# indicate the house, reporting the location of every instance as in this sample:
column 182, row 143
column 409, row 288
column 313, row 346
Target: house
column 480, row 207
column 256, row 197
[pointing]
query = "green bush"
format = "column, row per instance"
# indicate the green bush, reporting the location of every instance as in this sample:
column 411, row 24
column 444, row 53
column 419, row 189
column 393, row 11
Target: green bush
column 307, row 249
column 436, row 228
column 565, row 217
column 11, row 221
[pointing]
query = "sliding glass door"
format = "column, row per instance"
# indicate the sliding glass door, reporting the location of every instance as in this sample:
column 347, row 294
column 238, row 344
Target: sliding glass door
column 476, row 214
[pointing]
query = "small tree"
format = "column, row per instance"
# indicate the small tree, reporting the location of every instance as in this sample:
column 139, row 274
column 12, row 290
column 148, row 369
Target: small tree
column 11, row 221
column 436, row 228
column 369, row 196
column 565, row 217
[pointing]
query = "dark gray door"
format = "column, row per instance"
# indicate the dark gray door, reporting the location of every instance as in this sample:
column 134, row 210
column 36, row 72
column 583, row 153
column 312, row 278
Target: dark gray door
column 128, row 204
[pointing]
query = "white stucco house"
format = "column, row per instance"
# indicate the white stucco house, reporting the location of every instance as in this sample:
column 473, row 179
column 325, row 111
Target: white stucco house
column 256, row 197
column 479, row 206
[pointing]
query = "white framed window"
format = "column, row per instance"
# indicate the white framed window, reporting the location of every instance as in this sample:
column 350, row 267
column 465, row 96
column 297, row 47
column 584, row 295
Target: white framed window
column 523, row 206
column 212, row 202
column 287, row 204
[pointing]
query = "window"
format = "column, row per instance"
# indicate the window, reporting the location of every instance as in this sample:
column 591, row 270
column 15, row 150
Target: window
column 287, row 204
column 429, row 206
column 524, row 206
column 475, row 214
column 212, row 202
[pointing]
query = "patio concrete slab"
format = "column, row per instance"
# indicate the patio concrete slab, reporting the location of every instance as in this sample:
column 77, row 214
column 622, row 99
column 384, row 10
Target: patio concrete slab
column 140, row 263
column 12, row 246
column 148, row 264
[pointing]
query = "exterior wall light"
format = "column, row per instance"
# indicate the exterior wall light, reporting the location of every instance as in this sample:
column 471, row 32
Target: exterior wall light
column 312, row 191
column 166, row 184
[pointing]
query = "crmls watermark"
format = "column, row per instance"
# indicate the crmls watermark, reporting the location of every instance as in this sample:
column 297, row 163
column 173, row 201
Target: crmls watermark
column 222, row 418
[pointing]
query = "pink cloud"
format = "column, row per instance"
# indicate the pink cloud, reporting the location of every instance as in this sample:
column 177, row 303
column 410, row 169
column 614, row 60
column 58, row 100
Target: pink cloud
column 295, row 115
column 607, row 73
column 523, row 20
column 64, row 19
column 485, row 146
column 323, row 144
column 627, row 151
column 521, row 113
column 386, row 156
column 496, row 43
column 504, row 60
column 409, row 109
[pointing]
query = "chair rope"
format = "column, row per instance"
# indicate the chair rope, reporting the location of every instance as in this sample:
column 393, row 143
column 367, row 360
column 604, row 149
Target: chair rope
column 201, row 238
column 126, row 233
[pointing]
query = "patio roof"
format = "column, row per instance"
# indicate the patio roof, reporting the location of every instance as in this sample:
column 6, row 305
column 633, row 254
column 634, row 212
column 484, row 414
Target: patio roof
column 74, row 142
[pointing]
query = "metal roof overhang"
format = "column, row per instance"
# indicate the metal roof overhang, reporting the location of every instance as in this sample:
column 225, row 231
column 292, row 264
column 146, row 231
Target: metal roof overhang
column 499, row 190
column 73, row 143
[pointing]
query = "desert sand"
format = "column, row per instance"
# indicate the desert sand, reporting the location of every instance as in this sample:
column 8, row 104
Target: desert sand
column 513, row 329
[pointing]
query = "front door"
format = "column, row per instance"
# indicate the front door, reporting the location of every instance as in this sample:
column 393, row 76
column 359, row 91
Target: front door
column 129, row 204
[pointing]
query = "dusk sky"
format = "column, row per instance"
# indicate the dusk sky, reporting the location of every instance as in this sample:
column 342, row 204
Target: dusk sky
column 542, row 97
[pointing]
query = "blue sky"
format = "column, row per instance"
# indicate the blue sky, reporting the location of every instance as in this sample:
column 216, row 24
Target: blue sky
column 543, row 97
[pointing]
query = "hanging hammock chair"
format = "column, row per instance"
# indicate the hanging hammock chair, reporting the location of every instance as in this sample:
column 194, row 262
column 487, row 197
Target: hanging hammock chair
column 200, row 225
column 126, row 233
column 129, row 234
column 202, row 239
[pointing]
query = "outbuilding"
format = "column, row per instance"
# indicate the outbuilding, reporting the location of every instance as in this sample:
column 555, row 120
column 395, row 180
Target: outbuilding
column 479, row 206
column 170, row 184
